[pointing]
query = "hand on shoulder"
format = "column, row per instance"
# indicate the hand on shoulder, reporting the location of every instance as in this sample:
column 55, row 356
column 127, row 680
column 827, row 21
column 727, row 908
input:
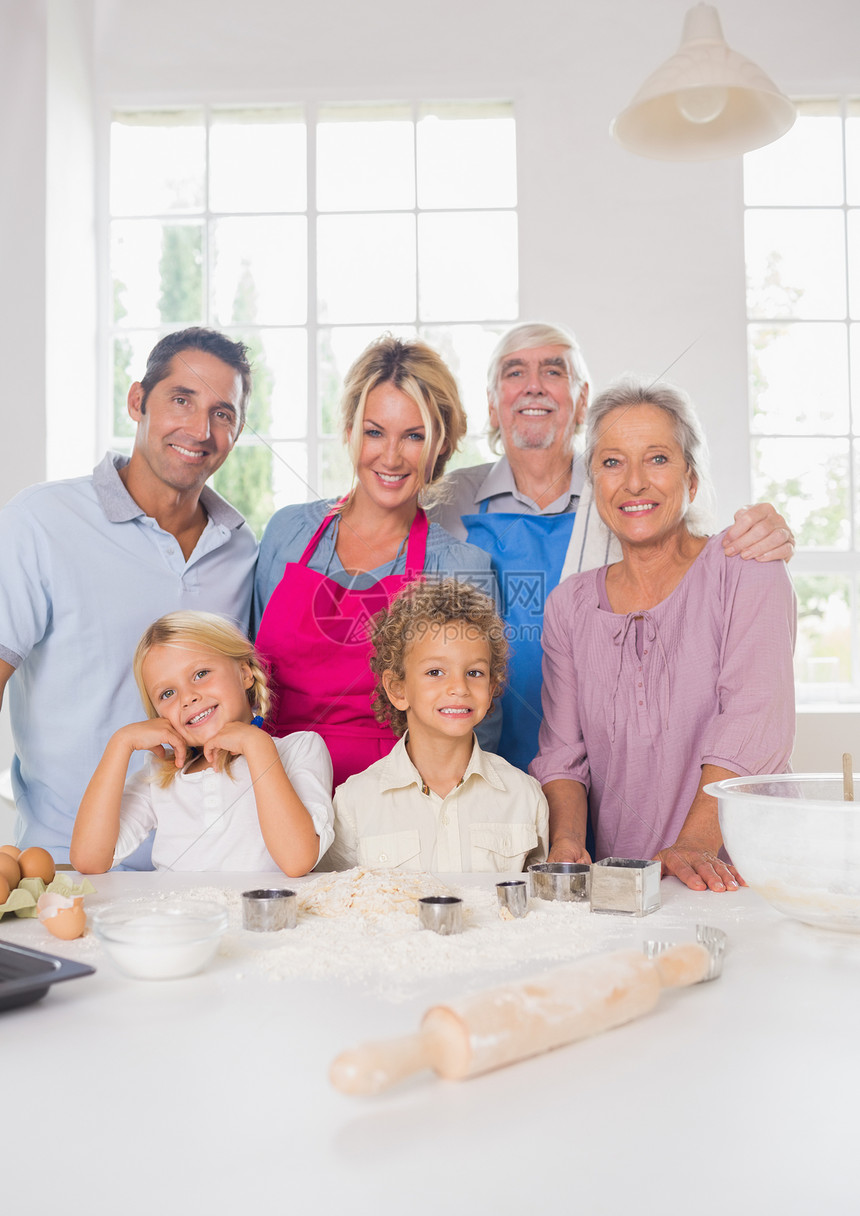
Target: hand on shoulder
column 760, row 532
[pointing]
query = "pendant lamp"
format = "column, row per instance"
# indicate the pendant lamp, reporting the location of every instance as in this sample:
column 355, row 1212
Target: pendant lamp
column 707, row 101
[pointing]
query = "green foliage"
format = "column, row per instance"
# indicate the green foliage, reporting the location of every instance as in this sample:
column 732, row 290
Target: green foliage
column 816, row 525
column 245, row 478
column 181, row 272
column 329, row 386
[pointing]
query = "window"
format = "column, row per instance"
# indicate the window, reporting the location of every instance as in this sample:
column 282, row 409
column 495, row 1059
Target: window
column 802, row 198
column 306, row 232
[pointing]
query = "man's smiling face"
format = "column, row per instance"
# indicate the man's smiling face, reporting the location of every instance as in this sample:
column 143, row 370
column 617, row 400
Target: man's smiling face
column 534, row 405
column 189, row 422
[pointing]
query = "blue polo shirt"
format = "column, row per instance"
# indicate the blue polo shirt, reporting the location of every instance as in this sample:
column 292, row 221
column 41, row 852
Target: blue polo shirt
column 83, row 571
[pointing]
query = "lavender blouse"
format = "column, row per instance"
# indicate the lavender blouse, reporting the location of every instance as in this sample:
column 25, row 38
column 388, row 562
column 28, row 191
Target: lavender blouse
column 710, row 682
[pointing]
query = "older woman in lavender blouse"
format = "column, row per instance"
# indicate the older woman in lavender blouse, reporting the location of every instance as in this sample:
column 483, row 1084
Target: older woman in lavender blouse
column 666, row 670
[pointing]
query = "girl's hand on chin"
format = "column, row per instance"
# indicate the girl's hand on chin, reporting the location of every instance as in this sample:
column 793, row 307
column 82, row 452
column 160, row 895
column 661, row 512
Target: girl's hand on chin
column 236, row 738
column 154, row 735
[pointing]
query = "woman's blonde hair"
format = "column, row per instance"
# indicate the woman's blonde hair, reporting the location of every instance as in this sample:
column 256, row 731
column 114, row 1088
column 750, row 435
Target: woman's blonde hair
column 431, row 604
column 415, row 369
column 214, row 633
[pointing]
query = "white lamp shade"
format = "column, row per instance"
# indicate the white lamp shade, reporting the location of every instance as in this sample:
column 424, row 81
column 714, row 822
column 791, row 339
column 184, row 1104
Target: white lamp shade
column 707, row 101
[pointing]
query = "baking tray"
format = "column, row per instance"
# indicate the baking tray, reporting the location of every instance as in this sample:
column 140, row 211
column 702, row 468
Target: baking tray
column 26, row 975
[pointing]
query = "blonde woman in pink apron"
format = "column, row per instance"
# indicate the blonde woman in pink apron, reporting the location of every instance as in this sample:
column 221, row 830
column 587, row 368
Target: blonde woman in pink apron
column 326, row 567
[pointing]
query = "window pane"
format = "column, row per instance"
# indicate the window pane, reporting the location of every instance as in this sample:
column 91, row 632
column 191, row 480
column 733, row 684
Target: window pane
column 336, row 468
column 466, row 161
column 467, row 265
column 365, row 159
column 366, row 268
column 290, row 476
column 157, row 273
column 257, row 160
column 129, row 362
column 822, row 656
column 854, row 262
column 798, row 379
column 804, row 168
column 337, row 350
column 245, row 480
column 259, row 269
column 807, row 481
column 852, row 152
column 795, row 264
column 157, row 162
column 467, row 349
column 278, row 406
column 855, row 377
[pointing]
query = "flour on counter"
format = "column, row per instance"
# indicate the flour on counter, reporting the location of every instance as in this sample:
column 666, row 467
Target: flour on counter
column 360, row 927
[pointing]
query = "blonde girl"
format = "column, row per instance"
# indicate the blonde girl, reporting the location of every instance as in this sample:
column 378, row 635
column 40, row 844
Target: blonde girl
column 219, row 792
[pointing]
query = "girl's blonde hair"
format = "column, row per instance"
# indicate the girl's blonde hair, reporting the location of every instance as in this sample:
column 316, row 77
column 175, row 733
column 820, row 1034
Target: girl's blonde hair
column 415, row 369
column 214, row 633
column 427, row 604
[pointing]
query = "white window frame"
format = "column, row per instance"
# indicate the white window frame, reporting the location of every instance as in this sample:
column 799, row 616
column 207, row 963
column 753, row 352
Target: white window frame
column 807, row 561
column 108, row 330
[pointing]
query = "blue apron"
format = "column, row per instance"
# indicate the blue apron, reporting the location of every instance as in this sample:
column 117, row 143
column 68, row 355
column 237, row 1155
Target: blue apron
column 527, row 552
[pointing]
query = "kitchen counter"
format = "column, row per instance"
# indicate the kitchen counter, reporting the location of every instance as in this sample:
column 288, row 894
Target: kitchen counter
column 210, row 1094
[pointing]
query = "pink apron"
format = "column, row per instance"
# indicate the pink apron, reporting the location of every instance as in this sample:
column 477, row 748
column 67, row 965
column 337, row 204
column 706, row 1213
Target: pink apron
column 314, row 636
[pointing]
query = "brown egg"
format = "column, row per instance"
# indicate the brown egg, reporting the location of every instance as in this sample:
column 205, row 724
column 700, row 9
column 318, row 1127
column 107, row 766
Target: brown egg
column 4, row 890
column 11, row 849
column 10, row 870
column 37, row 863
column 67, row 923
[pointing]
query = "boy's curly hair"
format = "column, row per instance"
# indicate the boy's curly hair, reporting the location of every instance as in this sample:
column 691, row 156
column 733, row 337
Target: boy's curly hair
column 430, row 603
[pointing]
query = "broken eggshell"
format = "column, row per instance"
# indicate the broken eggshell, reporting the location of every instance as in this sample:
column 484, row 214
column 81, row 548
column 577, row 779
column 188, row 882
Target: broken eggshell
column 63, row 917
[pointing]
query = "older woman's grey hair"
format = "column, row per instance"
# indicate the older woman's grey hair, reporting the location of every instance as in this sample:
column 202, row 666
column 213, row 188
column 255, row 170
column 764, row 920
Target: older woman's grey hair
column 688, row 433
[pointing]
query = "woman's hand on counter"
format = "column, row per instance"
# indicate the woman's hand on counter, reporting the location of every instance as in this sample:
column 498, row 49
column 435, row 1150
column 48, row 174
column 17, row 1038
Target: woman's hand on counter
column 698, row 867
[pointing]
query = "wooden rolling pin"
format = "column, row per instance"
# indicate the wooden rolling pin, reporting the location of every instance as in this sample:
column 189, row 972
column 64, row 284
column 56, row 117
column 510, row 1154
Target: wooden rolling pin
column 490, row 1029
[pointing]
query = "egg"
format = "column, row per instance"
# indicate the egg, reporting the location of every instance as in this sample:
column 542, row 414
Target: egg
column 37, row 863
column 10, row 870
column 11, row 849
column 66, row 923
column 4, row 890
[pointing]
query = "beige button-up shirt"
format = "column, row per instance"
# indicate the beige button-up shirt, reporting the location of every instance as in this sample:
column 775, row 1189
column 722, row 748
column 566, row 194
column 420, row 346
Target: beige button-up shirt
column 495, row 820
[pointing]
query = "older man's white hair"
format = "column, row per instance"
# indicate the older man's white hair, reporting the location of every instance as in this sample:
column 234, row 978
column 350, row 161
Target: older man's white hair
column 528, row 336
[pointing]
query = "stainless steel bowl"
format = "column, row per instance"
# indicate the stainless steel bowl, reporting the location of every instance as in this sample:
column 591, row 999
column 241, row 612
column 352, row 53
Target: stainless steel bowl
column 565, row 880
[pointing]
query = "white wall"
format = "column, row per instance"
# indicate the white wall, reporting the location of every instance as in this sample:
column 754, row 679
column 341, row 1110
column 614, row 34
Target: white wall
column 641, row 258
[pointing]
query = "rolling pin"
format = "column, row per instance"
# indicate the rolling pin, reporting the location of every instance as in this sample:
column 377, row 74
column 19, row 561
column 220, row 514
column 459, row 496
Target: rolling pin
column 490, row 1029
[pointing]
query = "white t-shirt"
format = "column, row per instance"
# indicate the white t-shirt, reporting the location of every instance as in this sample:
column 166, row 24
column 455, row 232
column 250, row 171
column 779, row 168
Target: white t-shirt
column 208, row 820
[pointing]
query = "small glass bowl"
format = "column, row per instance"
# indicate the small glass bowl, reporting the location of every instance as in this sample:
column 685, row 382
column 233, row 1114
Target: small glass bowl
column 162, row 939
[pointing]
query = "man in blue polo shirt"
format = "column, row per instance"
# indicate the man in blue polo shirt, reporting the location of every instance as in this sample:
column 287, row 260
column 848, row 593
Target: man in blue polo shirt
column 88, row 563
column 532, row 509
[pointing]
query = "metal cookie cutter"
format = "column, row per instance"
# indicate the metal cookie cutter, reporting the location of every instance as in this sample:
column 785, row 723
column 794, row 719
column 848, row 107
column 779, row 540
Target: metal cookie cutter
column 513, row 897
column 566, row 880
column 621, row 884
column 714, row 941
column 441, row 913
column 266, row 910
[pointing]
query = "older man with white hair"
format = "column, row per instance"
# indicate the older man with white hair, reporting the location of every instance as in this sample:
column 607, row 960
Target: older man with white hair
column 532, row 510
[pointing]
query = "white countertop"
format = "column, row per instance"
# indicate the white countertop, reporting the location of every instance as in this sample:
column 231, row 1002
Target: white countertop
column 210, row 1094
